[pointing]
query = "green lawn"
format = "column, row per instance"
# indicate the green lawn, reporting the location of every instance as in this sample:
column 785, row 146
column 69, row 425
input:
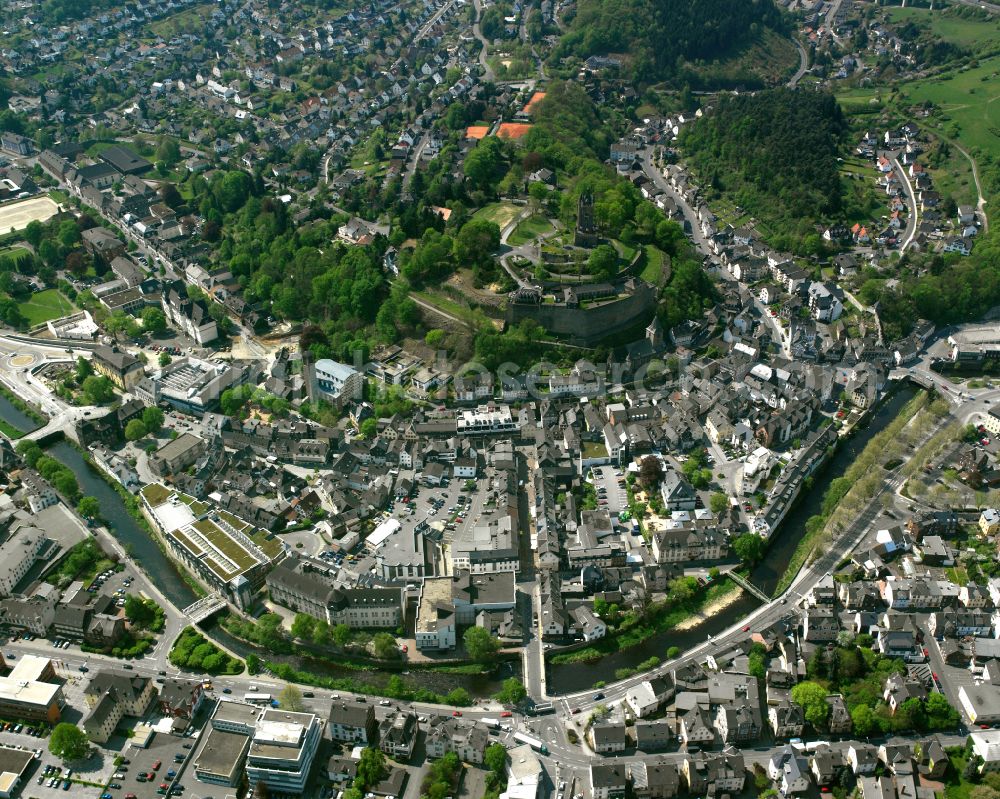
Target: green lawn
column 45, row 305
column 979, row 35
column 10, row 255
column 654, row 265
column 968, row 102
column 953, row 178
column 502, row 214
column 528, row 229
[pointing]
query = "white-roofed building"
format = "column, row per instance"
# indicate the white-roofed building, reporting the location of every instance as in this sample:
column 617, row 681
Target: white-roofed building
column 524, row 774
column 337, row 381
column 282, row 751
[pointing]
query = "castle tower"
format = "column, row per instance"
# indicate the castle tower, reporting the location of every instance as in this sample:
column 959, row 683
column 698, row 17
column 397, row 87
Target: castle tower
column 654, row 334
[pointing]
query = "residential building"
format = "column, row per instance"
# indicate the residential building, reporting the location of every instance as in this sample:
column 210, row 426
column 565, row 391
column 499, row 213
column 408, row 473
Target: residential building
column 18, row 553
column 467, row 739
column 398, row 734
column 608, row 780
column 353, row 722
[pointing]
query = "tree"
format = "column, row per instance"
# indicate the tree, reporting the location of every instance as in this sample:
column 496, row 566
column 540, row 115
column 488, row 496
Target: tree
column 135, row 430
column 971, row 771
column 303, row 626
column 341, row 635
column 603, row 262
column 168, row 153
column 69, row 742
column 84, row 369
column 384, row 646
column 757, row 661
column 865, row 721
column 940, row 714
column 512, row 691
column 718, row 502
column 371, row 768
column 98, row 389
column 170, row 196
column 749, row 547
column 89, row 507
column 650, row 472
column 164, row 359
column 154, row 321
column 811, row 697
column 139, row 612
column 290, row 698
column 476, row 242
column 152, row 418
column 369, row 428
column 457, row 696
column 479, row 644
column 34, row 233
column 495, row 758
column 673, row 652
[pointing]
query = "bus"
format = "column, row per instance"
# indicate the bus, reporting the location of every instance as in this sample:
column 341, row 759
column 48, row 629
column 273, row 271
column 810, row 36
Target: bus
column 257, row 699
column 541, row 708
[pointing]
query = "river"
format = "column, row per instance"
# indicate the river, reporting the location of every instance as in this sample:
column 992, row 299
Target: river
column 569, row 678
column 582, row 676
column 148, row 555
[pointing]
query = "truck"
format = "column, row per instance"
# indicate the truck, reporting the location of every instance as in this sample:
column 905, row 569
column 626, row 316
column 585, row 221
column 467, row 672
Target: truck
column 493, row 724
column 534, row 743
column 258, row 699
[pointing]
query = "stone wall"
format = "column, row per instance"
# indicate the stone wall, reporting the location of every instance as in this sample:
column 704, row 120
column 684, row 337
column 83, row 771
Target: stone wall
column 587, row 326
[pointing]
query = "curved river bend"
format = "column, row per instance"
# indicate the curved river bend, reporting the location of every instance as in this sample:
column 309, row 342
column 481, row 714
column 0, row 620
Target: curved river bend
column 569, row 678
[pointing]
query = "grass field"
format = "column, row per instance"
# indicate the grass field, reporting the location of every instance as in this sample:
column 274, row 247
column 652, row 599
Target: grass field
column 528, row 229
column 10, row 255
column 979, row 35
column 500, row 213
column 968, row 102
column 654, row 265
column 45, row 305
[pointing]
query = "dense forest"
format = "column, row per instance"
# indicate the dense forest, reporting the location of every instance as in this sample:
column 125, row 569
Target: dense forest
column 775, row 153
column 659, row 36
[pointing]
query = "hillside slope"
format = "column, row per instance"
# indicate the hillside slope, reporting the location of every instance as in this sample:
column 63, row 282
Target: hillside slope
column 660, row 37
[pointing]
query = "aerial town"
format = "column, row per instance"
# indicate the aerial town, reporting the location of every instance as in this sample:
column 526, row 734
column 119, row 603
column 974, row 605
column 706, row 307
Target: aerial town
column 519, row 399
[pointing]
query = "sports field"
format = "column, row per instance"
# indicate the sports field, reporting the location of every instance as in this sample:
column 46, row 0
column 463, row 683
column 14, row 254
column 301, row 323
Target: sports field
column 17, row 215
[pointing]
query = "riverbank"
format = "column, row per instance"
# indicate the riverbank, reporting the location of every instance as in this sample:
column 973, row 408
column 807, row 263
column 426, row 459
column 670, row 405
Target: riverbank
column 660, row 619
column 860, row 482
column 715, row 606
column 395, row 688
column 25, row 408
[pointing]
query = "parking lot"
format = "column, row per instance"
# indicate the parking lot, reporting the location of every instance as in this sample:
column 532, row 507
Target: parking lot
column 451, row 505
column 60, row 782
column 164, row 749
column 606, row 478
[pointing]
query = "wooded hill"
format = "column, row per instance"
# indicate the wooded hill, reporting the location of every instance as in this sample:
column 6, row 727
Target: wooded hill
column 774, row 153
column 660, row 36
